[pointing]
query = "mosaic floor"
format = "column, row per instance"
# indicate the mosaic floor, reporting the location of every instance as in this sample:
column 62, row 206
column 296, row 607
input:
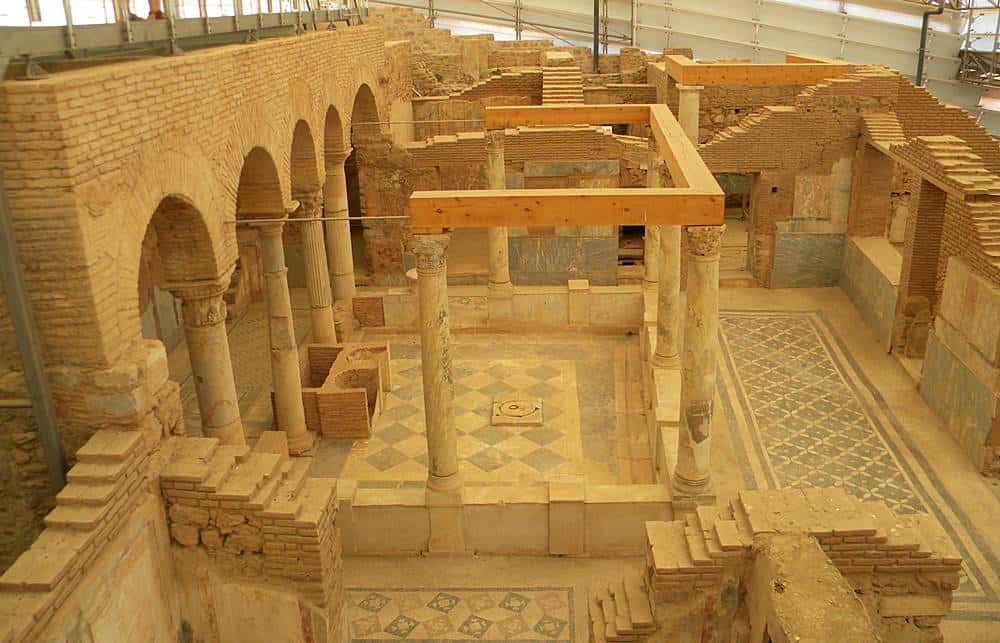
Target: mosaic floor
column 462, row 614
column 803, row 415
column 580, row 428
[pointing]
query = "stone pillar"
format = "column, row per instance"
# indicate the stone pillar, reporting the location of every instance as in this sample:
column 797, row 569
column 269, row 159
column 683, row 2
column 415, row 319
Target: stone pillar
column 444, row 481
column 290, row 415
column 203, row 310
column 688, row 110
column 317, row 271
column 668, row 307
column 651, row 237
column 692, row 475
column 338, row 233
column 496, row 175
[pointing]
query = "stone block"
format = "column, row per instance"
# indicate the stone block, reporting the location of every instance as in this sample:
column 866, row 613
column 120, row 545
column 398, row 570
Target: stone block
column 566, row 515
column 805, row 260
column 579, row 302
column 971, row 304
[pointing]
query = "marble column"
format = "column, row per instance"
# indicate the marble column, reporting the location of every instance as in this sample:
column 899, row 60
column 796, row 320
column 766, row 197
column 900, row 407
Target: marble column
column 203, row 310
column 444, row 480
column 496, row 176
column 688, row 110
column 668, row 295
column 651, row 237
column 317, row 270
column 435, row 353
column 290, row 415
column 338, row 233
column 699, row 360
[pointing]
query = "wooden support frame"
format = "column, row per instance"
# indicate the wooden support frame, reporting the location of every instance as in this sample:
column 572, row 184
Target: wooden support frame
column 695, row 199
column 796, row 70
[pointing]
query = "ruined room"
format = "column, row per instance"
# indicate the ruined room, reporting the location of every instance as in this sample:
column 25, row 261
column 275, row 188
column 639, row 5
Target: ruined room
column 506, row 320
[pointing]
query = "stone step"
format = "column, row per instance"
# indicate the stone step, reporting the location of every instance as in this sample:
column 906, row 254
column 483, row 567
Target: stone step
column 96, row 472
column 597, row 622
column 287, row 498
column 107, row 446
column 81, row 517
column 88, row 493
column 249, row 476
column 640, row 609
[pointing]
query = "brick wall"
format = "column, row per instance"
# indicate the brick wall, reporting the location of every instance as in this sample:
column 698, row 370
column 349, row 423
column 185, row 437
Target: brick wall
column 89, row 155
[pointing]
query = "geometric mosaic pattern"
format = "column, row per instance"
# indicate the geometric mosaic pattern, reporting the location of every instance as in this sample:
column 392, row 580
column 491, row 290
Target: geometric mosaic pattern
column 397, row 449
column 813, row 429
column 480, row 614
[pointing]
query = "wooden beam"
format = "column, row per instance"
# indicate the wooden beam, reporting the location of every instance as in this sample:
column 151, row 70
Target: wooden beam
column 687, row 168
column 537, row 115
column 430, row 211
column 802, row 71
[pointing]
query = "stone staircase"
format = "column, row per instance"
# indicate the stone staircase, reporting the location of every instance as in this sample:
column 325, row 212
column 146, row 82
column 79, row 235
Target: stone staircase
column 103, row 487
column 859, row 538
column 272, row 515
column 749, row 121
column 621, row 611
column 884, row 129
column 986, row 219
column 562, row 85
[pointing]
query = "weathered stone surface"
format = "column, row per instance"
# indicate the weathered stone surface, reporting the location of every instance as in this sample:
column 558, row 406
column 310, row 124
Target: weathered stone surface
column 807, row 260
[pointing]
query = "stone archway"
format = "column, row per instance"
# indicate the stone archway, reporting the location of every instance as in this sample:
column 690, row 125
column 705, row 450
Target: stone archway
column 260, row 204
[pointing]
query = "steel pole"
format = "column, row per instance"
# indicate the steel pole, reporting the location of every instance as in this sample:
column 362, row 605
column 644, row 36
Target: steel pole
column 29, row 348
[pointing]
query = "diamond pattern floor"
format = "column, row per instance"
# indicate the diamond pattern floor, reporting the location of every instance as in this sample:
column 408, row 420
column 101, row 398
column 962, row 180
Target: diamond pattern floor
column 480, row 614
column 813, row 429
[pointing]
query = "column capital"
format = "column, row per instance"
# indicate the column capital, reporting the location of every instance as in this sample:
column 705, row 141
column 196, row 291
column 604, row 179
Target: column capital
column 494, row 141
column 203, row 289
column 310, row 205
column 430, row 250
column 704, row 240
column 334, row 159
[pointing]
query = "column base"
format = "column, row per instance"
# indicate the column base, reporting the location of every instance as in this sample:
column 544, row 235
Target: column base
column 301, row 443
column 446, row 512
column 689, row 494
column 650, row 285
column 231, row 433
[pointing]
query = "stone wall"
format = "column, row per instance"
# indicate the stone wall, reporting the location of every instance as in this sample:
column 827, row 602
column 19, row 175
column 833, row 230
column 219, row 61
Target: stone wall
column 870, row 277
column 535, row 157
column 903, row 569
column 255, row 516
column 24, row 483
column 961, row 372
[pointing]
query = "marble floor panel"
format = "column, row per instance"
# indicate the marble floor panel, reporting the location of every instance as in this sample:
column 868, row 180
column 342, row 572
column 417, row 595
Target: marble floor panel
column 483, row 614
column 582, row 417
column 800, row 411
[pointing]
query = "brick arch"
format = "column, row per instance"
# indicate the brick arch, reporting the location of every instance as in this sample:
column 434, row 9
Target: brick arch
column 176, row 176
column 260, row 128
column 259, row 193
column 305, row 169
column 334, row 140
column 364, row 110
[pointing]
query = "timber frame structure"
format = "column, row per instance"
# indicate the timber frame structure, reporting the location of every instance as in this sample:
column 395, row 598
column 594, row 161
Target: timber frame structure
column 695, row 199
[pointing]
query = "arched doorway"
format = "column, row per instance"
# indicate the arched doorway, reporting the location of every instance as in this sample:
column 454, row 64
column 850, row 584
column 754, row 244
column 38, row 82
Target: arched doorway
column 182, row 284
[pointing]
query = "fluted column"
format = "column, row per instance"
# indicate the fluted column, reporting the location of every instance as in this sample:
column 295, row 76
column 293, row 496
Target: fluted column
column 689, row 109
column 435, row 353
column 338, row 233
column 668, row 311
column 496, row 175
column 203, row 310
column 290, row 414
column 317, row 270
column 651, row 236
column 692, row 475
